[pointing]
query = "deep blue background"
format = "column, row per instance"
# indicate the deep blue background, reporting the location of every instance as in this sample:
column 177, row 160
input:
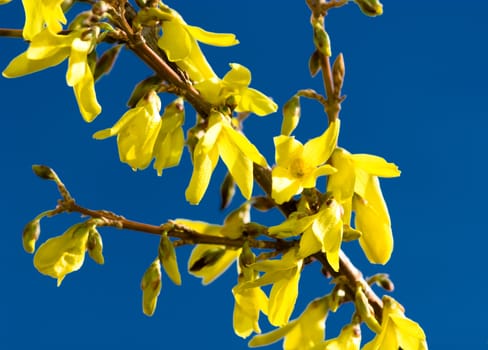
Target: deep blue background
column 416, row 87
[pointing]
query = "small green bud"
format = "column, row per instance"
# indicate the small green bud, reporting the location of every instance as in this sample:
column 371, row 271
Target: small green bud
column 167, row 257
column 382, row 280
column 365, row 310
column 227, row 191
column 209, row 258
column 30, row 235
column 44, row 172
column 94, row 246
column 370, row 8
column 291, row 115
column 151, row 287
column 321, row 40
column 106, row 61
column 314, row 63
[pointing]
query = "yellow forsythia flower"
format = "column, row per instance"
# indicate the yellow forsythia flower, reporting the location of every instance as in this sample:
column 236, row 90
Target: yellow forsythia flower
column 284, row 274
column 356, row 187
column 40, row 14
column 298, row 166
column 171, row 139
column 180, row 43
column 137, row 131
column 64, row 254
column 321, row 232
column 397, row 331
column 303, row 333
column 237, row 152
column 48, row 49
column 249, row 302
column 236, row 84
column 151, row 287
column 208, row 261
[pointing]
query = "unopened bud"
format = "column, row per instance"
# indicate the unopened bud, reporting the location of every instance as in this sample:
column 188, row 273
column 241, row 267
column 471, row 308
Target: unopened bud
column 30, row 235
column 365, row 310
column 167, row 257
column 151, row 287
column 227, row 191
column 338, row 72
column 106, row 61
column 370, row 8
column 263, row 203
column 44, row 172
column 321, row 40
column 291, row 115
column 314, row 63
column 94, row 245
column 382, row 280
column 142, row 88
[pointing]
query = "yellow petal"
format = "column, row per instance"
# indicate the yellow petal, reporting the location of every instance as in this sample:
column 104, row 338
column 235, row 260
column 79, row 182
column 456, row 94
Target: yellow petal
column 284, row 186
column 283, row 296
column 318, row 150
column 375, row 165
column 286, row 148
column 256, row 102
column 248, row 303
column 21, row 65
column 210, row 38
column 175, row 41
column 341, row 183
column 203, row 167
column 373, row 220
column 238, row 164
column 238, row 77
column 245, row 146
column 86, row 97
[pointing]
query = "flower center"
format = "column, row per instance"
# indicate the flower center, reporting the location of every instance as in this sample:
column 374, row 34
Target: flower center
column 297, row 167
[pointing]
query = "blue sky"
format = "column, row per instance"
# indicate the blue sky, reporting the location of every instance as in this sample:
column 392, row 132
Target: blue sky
column 416, row 95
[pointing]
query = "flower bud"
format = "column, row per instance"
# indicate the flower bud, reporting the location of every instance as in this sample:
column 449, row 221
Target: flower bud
column 94, row 246
column 142, row 88
column 44, row 172
column 30, row 235
column 370, row 8
column 106, row 62
column 291, row 115
column 227, row 191
column 167, row 257
column 365, row 310
column 321, row 40
column 151, row 287
column 263, row 203
column 338, row 72
column 314, row 63
column 64, row 254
